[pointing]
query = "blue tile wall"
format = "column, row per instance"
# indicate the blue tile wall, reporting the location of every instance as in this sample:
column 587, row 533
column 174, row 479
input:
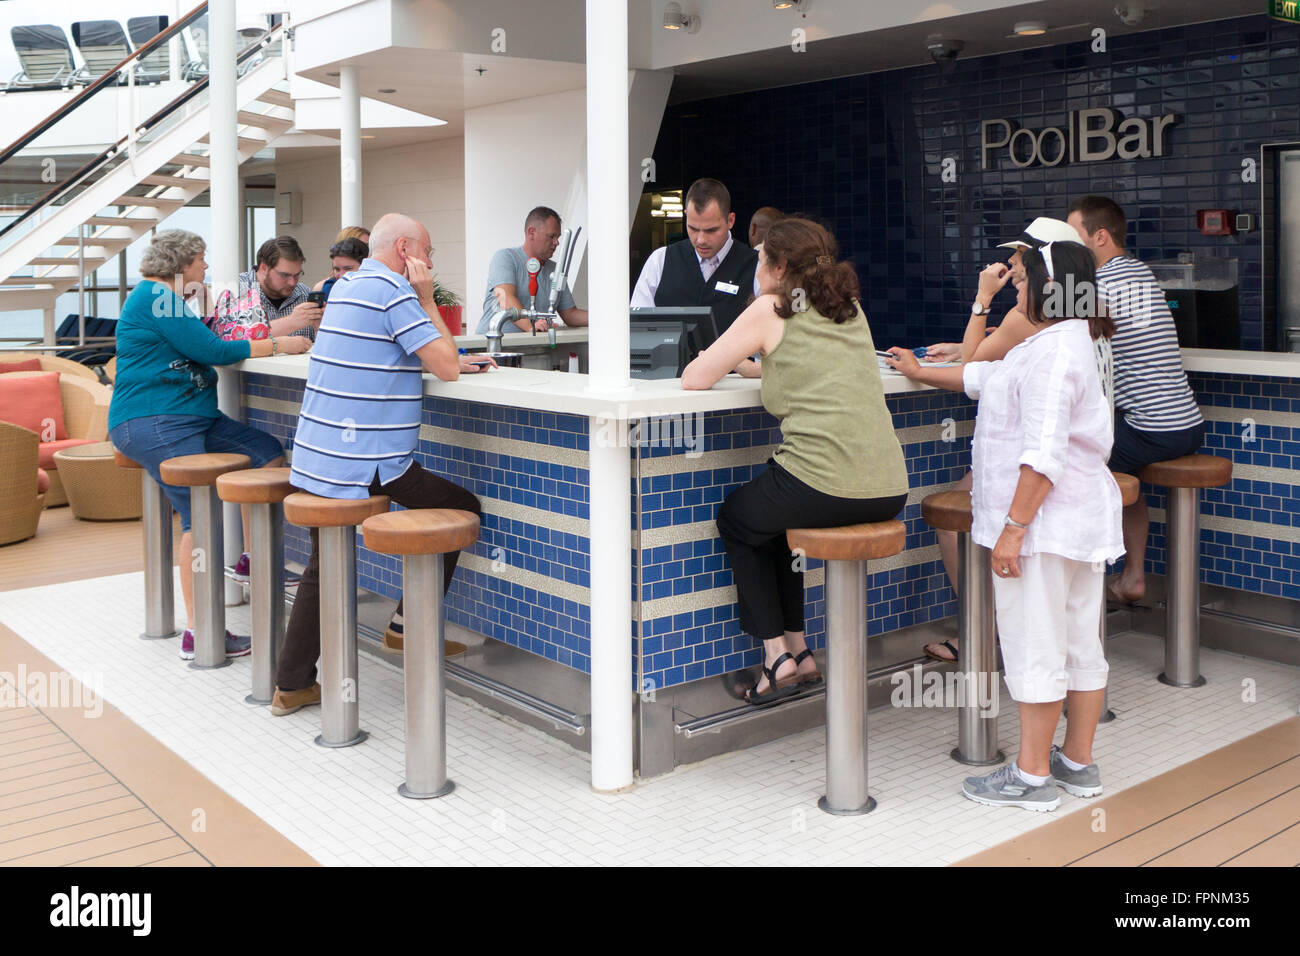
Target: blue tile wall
column 1263, row 564
column 706, row 640
column 536, row 621
column 863, row 154
column 683, row 647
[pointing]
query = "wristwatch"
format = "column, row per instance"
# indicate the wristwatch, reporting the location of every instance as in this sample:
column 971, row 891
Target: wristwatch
column 1014, row 523
column 978, row 309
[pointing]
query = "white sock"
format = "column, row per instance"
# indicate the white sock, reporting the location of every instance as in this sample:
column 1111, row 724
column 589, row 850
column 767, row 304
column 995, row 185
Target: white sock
column 1030, row 778
column 1070, row 763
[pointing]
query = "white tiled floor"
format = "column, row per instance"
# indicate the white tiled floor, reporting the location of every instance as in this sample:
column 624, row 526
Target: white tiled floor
column 522, row 797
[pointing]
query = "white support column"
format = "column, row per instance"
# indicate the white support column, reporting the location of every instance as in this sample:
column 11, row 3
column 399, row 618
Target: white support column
column 223, row 243
column 610, row 463
column 350, row 146
column 176, row 54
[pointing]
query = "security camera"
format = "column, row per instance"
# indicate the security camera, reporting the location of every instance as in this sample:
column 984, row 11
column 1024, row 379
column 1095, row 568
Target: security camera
column 944, row 51
column 1131, row 13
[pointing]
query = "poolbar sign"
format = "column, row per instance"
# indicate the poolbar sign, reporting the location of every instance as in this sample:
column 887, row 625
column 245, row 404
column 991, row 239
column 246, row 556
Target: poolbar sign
column 1090, row 136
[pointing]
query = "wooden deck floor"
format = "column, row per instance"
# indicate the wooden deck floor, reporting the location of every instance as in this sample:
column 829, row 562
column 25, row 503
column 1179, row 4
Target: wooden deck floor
column 1238, row 806
column 77, row 789
column 86, row 786
column 69, row 549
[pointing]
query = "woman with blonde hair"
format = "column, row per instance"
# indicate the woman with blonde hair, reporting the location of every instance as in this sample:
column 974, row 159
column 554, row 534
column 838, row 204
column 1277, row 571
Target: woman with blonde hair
column 353, row 232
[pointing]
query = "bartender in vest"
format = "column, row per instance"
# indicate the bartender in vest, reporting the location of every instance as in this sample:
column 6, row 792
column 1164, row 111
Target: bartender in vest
column 706, row 268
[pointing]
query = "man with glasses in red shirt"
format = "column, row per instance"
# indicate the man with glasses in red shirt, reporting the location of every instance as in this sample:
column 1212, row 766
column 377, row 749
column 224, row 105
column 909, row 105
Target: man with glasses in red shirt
column 270, row 300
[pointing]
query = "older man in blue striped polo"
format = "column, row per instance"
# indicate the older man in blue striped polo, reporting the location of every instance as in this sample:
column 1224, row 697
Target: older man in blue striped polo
column 360, row 420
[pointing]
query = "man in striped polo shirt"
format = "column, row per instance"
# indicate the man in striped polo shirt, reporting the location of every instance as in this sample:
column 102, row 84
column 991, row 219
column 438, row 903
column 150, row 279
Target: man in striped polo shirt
column 360, row 419
column 1156, row 415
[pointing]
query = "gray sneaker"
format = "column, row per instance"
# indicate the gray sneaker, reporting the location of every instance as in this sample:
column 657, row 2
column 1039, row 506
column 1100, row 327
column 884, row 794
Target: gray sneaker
column 1077, row 783
column 1006, row 788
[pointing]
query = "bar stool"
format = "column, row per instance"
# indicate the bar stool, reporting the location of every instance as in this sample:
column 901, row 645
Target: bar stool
column 846, row 551
column 199, row 473
column 1184, row 477
column 336, row 520
column 977, row 732
column 1129, row 489
column 421, row 537
column 159, row 590
column 263, row 490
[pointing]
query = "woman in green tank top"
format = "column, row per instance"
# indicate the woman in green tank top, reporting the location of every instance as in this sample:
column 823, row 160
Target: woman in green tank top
column 839, row 461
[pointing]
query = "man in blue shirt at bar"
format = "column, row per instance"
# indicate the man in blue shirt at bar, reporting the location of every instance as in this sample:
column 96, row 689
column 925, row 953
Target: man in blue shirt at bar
column 360, row 419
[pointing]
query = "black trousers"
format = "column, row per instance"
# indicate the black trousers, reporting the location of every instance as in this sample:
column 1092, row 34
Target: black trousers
column 753, row 522
column 415, row 488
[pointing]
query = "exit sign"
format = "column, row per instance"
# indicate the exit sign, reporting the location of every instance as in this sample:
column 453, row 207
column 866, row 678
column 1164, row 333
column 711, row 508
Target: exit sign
column 1288, row 10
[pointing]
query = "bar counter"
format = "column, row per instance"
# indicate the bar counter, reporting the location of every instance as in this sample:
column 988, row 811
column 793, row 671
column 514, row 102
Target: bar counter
column 518, row 439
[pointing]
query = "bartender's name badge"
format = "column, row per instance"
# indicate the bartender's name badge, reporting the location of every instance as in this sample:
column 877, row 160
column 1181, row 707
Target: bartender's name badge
column 727, row 287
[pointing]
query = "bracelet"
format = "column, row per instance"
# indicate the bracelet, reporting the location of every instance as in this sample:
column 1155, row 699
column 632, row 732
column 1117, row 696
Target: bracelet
column 275, row 347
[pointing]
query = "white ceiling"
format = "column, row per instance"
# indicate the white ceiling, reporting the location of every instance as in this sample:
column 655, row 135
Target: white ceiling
column 984, row 33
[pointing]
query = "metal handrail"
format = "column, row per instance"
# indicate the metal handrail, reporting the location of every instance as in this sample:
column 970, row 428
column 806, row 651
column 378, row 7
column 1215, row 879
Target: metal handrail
column 189, row 93
column 111, row 75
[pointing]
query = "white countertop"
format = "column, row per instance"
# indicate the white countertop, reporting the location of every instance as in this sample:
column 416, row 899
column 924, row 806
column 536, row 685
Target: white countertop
column 1271, row 364
column 570, row 393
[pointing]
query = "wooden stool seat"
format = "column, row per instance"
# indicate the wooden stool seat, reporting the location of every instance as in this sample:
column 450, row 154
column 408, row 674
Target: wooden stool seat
column 947, row 511
column 421, row 531
column 255, row 486
column 312, row 511
column 122, row 461
column 1129, row 488
column 853, row 542
column 200, row 471
column 1190, row 471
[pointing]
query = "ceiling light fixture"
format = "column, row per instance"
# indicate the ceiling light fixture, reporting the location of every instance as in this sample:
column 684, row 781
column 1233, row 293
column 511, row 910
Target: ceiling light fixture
column 388, row 89
column 1031, row 28
column 800, row 5
column 333, row 73
column 674, row 19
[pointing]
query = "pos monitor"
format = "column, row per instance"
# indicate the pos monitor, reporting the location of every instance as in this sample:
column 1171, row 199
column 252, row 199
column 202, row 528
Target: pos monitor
column 663, row 340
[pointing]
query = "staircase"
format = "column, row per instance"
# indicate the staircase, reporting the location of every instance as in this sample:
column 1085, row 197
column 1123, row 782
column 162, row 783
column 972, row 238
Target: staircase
column 130, row 188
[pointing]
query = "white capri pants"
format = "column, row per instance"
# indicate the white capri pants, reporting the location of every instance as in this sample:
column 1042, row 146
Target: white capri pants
column 1049, row 624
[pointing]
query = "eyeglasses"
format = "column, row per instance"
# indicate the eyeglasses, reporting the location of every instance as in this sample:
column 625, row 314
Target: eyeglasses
column 288, row 276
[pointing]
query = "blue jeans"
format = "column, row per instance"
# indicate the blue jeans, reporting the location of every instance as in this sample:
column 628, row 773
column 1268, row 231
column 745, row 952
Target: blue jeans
column 151, row 440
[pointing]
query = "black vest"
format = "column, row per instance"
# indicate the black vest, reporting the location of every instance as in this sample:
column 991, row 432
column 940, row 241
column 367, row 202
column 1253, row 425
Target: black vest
column 682, row 283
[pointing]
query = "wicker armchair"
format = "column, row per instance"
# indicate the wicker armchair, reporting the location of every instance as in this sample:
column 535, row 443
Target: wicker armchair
column 20, row 504
column 50, row 363
column 85, row 416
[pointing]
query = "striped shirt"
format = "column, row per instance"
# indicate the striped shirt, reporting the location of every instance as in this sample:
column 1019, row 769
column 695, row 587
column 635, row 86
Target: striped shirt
column 360, row 415
column 1150, row 386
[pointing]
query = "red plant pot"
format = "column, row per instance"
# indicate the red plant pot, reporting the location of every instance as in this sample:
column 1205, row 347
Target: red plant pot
column 451, row 315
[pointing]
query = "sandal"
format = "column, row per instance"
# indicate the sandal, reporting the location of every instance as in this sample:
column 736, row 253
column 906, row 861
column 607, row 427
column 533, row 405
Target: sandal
column 943, row 660
column 815, row 677
column 776, row 689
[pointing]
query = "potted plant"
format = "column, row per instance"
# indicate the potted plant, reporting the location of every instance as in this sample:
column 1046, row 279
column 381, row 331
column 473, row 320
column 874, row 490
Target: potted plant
column 449, row 307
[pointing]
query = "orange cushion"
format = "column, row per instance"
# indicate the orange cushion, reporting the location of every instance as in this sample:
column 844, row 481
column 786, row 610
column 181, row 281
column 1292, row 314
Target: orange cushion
column 33, row 402
column 46, row 452
column 25, row 365
column 42, row 481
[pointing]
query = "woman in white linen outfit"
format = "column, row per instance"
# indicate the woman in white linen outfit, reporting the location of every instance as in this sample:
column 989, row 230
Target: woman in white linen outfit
column 1044, row 501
